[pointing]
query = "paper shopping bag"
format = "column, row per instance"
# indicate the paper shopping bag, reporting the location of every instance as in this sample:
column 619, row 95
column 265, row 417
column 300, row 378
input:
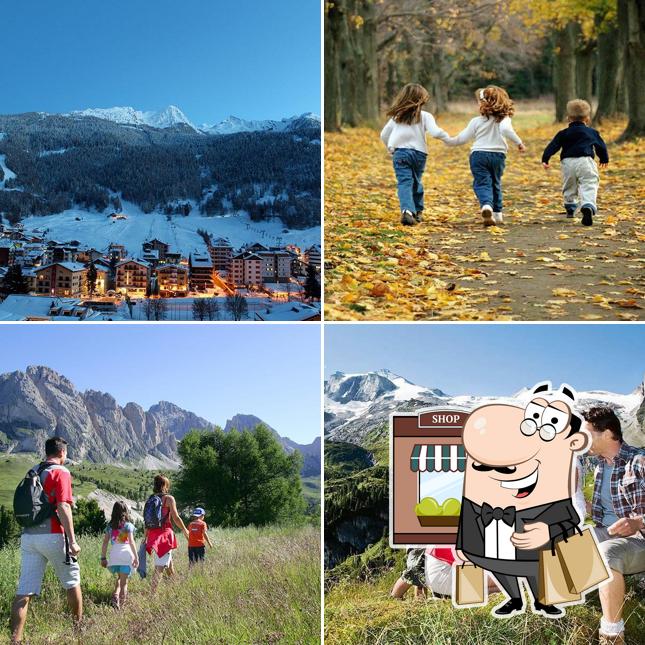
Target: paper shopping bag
column 553, row 587
column 469, row 584
column 581, row 561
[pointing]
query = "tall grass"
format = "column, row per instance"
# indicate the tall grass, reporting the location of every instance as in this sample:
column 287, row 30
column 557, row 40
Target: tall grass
column 257, row 586
column 358, row 612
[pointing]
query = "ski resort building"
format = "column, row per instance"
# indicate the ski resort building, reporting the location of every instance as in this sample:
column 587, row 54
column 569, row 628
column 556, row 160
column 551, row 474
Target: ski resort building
column 64, row 279
column 312, row 255
column 132, row 276
column 201, row 270
column 20, row 307
column 221, row 253
column 156, row 245
column 172, row 278
column 246, row 269
column 276, row 265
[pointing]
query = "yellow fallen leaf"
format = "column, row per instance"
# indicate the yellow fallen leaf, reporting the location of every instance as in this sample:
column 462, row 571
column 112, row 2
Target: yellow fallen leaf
column 564, row 293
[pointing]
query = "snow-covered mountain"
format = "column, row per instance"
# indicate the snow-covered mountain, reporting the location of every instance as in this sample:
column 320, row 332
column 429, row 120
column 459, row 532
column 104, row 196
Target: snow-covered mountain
column 166, row 118
column 358, row 404
column 172, row 116
column 234, row 124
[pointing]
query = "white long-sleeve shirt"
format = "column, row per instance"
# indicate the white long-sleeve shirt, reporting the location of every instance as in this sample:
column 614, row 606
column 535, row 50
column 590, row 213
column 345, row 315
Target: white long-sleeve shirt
column 488, row 134
column 401, row 135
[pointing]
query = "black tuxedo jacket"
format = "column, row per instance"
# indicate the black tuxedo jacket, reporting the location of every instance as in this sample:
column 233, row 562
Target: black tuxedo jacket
column 561, row 517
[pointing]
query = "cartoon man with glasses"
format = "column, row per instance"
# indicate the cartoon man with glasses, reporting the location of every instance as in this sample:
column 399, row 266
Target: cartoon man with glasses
column 517, row 489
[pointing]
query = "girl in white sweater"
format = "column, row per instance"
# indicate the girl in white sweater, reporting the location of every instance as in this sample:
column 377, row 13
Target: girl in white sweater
column 405, row 137
column 488, row 152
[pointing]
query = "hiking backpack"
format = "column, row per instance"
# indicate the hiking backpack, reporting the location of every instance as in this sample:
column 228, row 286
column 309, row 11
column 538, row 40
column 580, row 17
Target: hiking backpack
column 152, row 512
column 31, row 506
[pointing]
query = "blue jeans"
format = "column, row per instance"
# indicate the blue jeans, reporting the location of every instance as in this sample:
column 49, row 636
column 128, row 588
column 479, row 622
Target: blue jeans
column 487, row 169
column 409, row 165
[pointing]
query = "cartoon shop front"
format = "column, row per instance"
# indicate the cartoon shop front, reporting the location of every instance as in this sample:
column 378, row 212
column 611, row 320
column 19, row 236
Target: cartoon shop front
column 427, row 464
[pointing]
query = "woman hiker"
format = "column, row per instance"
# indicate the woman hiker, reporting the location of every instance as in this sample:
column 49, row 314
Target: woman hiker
column 160, row 513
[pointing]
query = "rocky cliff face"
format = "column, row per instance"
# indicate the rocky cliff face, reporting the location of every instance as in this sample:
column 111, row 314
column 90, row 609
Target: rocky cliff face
column 177, row 420
column 39, row 402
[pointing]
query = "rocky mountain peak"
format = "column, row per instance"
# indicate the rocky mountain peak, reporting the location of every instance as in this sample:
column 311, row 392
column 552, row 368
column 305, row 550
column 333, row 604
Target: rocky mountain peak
column 42, row 374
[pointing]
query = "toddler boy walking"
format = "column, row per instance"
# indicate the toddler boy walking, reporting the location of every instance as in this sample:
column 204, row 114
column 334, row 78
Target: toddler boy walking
column 579, row 173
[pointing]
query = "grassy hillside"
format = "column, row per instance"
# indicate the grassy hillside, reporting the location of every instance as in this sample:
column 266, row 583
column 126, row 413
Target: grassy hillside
column 357, row 604
column 343, row 458
column 311, row 489
column 87, row 477
column 133, row 483
column 257, row 586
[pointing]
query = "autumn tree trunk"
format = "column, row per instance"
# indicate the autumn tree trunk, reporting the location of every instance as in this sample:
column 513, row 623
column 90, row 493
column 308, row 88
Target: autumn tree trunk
column 631, row 18
column 332, row 108
column 433, row 78
column 585, row 62
column 610, row 73
column 564, row 69
column 351, row 73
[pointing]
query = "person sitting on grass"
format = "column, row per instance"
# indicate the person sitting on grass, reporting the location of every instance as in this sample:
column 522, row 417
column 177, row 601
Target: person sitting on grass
column 489, row 132
column 429, row 569
column 404, row 135
column 618, row 507
column 580, row 177
column 413, row 575
column 197, row 537
column 124, row 558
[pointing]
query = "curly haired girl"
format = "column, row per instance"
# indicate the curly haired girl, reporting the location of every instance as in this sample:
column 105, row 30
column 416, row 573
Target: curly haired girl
column 488, row 152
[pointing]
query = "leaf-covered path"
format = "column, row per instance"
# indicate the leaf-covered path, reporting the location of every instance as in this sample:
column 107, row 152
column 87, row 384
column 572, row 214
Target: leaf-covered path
column 539, row 266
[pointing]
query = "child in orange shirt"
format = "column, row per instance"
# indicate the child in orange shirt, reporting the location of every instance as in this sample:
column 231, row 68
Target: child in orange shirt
column 197, row 537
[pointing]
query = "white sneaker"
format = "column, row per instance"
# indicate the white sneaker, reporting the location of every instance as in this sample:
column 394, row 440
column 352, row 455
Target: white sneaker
column 498, row 218
column 487, row 214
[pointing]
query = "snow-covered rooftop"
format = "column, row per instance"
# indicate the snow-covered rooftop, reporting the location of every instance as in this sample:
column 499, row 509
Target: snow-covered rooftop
column 70, row 266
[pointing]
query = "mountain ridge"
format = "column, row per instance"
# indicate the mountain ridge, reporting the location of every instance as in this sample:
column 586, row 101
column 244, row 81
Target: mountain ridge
column 173, row 116
column 355, row 415
column 39, row 401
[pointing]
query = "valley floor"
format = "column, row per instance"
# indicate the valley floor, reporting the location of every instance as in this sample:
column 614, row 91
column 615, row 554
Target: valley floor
column 539, row 266
column 257, row 586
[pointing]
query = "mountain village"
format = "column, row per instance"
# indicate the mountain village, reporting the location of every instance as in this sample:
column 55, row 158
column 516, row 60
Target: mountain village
column 46, row 279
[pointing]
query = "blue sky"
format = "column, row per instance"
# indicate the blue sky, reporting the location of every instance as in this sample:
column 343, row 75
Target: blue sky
column 493, row 360
column 253, row 59
column 216, row 371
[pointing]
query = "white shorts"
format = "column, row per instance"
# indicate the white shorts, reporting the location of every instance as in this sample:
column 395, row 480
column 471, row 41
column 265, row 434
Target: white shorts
column 36, row 550
column 438, row 576
column 163, row 561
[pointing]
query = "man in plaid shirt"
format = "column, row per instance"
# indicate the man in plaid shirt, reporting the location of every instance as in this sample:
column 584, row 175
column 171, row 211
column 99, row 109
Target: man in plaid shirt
column 617, row 509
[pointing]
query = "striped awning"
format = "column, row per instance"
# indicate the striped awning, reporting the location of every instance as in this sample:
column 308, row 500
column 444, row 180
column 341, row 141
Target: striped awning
column 446, row 458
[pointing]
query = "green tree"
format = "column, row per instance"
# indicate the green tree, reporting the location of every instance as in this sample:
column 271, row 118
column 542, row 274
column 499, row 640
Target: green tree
column 92, row 276
column 312, row 285
column 89, row 519
column 199, row 309
column 241, row 478
column 15, row 281
column 9, row 528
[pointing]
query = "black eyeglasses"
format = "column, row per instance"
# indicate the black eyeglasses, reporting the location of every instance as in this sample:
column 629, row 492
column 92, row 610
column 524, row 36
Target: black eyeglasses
column 529, row 427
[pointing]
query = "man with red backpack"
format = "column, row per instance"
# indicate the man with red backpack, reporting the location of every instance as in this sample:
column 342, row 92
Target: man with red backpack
column 43, row 507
